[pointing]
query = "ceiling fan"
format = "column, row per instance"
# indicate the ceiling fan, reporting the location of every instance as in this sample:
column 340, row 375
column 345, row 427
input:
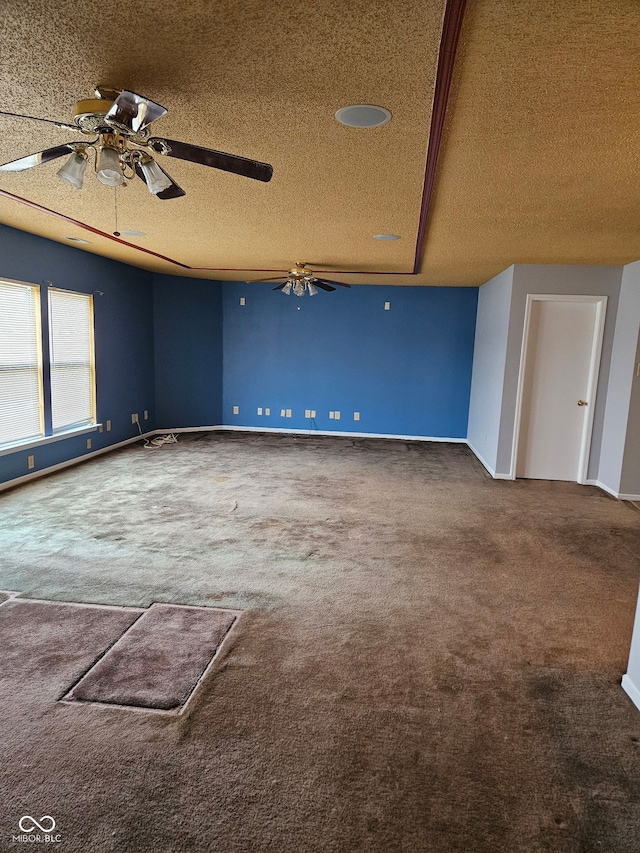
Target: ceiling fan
column 122, row 146
column 300, row 280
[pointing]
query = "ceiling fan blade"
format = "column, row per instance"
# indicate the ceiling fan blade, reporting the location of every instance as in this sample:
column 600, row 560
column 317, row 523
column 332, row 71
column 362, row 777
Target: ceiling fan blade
column 134, row 112
column 215, row 159
column 330, row 281
column 280, row 286
column 60, row 124
column 38, row 158
column 174, row 191
column 323, row 285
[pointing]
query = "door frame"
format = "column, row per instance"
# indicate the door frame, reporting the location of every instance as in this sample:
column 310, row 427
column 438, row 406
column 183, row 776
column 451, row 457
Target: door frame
column 592, row 385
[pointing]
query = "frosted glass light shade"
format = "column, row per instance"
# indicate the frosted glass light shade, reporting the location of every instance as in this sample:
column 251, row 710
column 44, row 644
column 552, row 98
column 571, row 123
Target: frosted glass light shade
column 312, row 290
column 287, row 288
column 155, row 177
column 73, row 170
column 109, row 169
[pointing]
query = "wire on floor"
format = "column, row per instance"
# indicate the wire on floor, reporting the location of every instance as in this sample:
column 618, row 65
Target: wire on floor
column 159, row 440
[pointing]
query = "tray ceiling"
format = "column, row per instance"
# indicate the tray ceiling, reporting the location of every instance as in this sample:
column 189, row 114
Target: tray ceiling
column 537, row 162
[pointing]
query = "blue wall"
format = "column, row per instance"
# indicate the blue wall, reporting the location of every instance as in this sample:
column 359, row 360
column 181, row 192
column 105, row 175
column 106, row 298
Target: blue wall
column 406, row 370
column 188, row 351
column 123, row 339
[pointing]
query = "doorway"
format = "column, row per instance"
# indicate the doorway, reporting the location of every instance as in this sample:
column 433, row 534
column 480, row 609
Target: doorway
column 558, row 379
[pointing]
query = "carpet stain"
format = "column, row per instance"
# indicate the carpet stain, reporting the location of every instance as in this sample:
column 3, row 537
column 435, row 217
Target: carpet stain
column 429, row 661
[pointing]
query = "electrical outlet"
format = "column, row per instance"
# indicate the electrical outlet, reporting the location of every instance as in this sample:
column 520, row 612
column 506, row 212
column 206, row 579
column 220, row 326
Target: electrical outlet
column 242, row 301
column 356, row 416
column 100, row 428
column 108, row 426
column 259, row 410
column 336, row 415
column 307, row 413
column 313, row 413
column 288, row 413
column 283, row 413
column 267, row 411
column 146, row 414
column 331, row 416
column 88, row 444
column 387, row 306
column 31, row 462
column 134, row 418
column 236, row 410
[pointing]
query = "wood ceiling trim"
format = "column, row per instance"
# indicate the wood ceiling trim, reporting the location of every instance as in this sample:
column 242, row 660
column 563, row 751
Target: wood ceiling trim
column 453, row 15
column 41, row 209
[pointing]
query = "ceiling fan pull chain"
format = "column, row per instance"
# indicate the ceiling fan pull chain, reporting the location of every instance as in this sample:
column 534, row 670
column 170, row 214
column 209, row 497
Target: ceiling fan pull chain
column 116, row 233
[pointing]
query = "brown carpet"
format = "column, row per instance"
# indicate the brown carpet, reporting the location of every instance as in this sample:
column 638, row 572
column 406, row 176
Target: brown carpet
column 430, row 660
column 157, row 663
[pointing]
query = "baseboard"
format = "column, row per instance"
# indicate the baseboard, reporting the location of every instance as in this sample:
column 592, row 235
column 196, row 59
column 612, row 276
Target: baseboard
column 233, row 428
column 480, row 458
column 631, row 690
column 621, row 496
column 77, row 460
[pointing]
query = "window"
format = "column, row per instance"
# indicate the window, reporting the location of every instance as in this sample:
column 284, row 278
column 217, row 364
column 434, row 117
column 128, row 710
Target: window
column 43, row 395
column 21, row 401
column 71, row 357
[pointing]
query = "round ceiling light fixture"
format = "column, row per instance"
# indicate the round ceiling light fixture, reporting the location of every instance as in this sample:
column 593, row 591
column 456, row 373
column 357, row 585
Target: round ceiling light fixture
column 363, row 115
column 386, row 237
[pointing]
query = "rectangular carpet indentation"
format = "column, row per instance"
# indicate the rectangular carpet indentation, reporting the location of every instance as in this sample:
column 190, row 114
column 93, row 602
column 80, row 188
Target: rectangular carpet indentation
column 159, row 661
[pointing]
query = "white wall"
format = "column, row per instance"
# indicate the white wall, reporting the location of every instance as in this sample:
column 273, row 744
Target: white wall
column 622, row 416
column 556, row 279
column 631, row 681
column 489, row 359
column 630, row 302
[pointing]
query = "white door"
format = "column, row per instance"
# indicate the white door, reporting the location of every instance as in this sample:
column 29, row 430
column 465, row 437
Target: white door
column 561, row 358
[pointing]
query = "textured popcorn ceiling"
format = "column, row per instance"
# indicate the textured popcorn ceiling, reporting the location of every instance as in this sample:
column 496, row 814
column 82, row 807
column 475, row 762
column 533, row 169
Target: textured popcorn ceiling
column 538, row 162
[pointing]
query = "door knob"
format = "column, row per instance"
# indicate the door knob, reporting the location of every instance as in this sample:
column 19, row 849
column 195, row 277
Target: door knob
column 582, row 403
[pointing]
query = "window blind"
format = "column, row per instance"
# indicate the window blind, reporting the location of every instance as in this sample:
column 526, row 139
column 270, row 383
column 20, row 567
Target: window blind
column 21, row 409
column 71, row 355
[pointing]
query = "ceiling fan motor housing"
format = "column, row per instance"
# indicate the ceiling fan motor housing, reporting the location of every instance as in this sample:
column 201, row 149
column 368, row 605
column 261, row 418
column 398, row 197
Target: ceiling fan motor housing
column 89, row 114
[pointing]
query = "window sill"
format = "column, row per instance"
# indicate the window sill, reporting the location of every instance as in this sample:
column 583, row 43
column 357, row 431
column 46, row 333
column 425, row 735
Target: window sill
column 47, row 439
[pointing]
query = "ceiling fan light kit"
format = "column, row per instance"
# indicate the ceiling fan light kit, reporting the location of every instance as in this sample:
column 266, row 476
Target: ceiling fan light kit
column 73, row 170
column 108, row 168
column 120, row 122
column 300, row 280
column 154, row 176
